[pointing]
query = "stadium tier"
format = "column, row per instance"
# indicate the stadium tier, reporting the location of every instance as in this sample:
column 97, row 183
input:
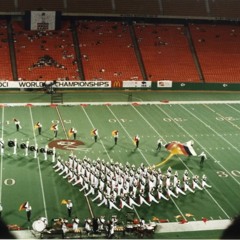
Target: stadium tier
column 216, row 49
column 45, row 55
column 107, row 51
column 5, row 64
column 166, row 53
column 117, row 51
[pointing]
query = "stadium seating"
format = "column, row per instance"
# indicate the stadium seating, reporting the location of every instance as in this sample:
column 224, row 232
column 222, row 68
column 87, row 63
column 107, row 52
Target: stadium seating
column 56, row 45
column 217, row 50
column 165, row 52
column 5, row 63
column 107, row 51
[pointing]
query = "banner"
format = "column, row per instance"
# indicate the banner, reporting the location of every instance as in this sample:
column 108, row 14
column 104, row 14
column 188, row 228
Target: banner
column 57, row 84
column 137, row 84
column 43, row 20
column 164, row 84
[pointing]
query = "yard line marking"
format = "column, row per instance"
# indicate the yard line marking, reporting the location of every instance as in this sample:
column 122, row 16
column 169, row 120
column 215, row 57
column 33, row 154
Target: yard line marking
column 104, row 150
column 203, row 148
column 233, row 124
column 156, row 131
column 62, row 122
column 39, row 167
column 178, row 208
column 219, row 135
column 106, row 153
column 128, row 134
column 165, row 141
column 99, row 137
column 1, row 175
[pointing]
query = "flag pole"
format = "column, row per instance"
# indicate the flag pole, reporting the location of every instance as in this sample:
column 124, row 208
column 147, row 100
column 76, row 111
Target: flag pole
column 164, row 161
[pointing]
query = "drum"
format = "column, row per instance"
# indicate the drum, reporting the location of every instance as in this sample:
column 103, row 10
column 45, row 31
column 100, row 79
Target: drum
column 49, row 152
column 23, row 146
column 42, row 150
column 11, row 143
column 129, row 228
column 32, row 148
column 135, row 227
column 149, row 229
column 38, row 226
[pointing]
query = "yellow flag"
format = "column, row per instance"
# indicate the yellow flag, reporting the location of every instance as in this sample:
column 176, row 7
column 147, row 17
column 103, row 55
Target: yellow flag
column 155, row 219
column 70, row 133
column 64, row 201
column 189, row 215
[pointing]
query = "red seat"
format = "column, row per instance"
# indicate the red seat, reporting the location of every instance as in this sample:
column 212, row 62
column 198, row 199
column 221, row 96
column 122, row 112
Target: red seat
column 166, row 53
column 107, row 52
column 5, row 62
column 29, row 46
column 217, row 49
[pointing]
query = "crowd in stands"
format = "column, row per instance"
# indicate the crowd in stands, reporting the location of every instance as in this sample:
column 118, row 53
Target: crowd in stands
column 43, row 50
column 108, row 52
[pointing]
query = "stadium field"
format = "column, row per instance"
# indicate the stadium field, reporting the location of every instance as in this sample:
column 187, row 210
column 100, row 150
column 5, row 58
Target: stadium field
column 210, row 120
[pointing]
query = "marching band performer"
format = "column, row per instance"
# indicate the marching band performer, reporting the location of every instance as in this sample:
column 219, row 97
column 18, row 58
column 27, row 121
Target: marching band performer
column 54, row 128
column 38, row 125
column 137, row 140
column 94, row 132
column 195, row 183
column 115, row 134
column 178, row 188
column 72, row 131
column 204, row 182
column 17, row 124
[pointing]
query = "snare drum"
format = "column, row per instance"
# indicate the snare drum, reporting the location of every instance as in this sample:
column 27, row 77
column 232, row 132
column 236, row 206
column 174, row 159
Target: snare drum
column 38, row 226
column 129, row 228
column 150, row 229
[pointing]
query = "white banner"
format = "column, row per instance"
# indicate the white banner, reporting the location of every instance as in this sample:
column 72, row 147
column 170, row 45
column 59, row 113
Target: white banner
column 137, row 84
column 164, row 84
column 43, row 20
column 57, row 84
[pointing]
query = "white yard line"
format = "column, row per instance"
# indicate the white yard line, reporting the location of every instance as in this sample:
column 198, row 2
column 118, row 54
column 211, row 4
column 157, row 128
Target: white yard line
column 220, row 136
column 165, row 141
column 195, row 140
column 60, row 118
column 39, row 168
column 128, row 134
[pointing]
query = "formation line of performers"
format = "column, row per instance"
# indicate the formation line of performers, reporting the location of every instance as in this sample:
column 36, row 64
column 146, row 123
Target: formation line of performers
column 117, row 186
column 73, row 132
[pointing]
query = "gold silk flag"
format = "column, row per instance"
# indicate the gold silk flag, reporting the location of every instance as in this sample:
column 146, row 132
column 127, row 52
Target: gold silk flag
column 114, row 133
column 53, row 127
column 64, row 201
column 70, row 132
column 176, row 148
column 23, row 206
